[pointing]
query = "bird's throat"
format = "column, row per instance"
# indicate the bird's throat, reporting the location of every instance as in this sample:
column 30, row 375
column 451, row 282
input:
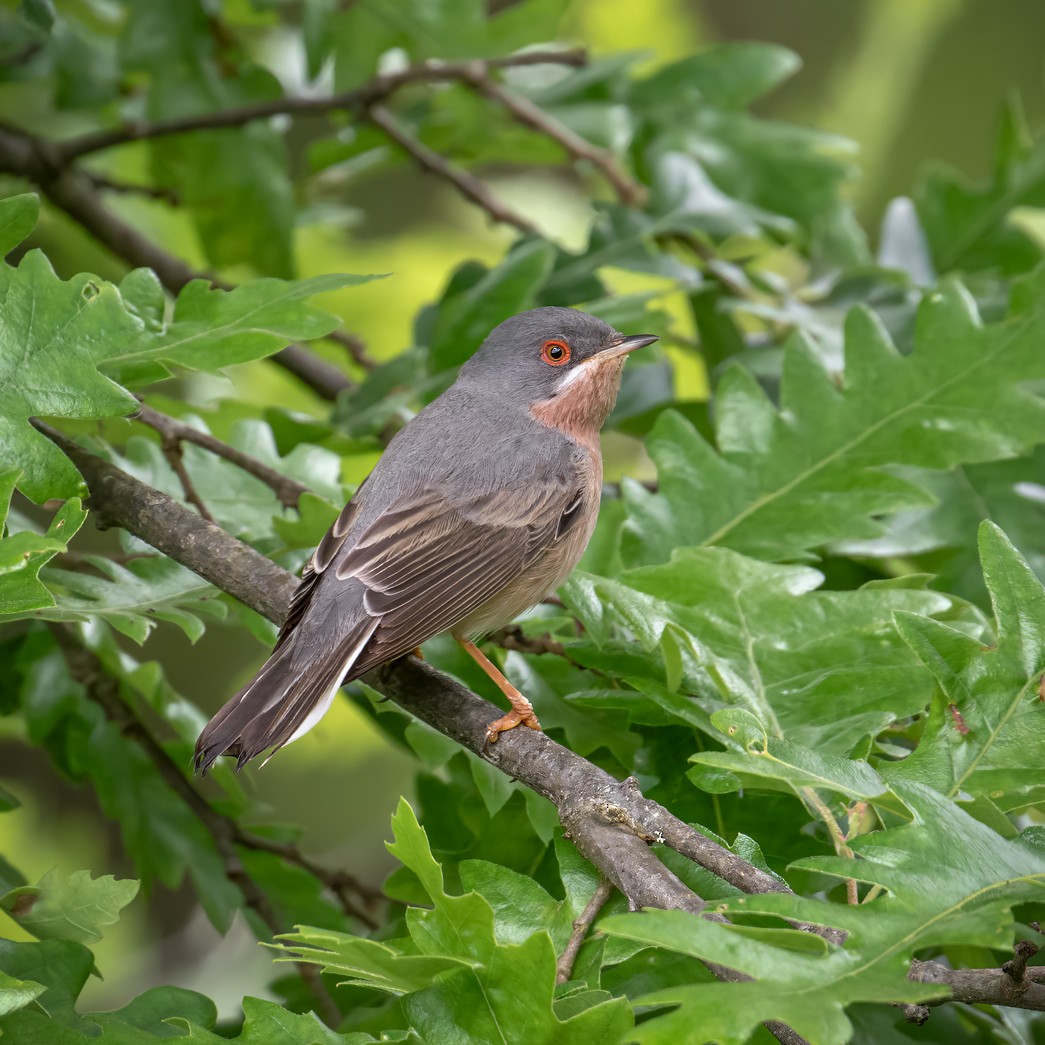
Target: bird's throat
column 581, row 408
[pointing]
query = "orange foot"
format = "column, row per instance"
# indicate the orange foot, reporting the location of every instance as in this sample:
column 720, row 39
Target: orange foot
column 521, row 717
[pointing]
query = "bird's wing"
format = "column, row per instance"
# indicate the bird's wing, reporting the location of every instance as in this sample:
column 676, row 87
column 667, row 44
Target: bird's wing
column 426, row 563
column 373, row 592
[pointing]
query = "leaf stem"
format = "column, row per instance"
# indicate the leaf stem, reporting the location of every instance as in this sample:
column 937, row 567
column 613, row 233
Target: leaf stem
column 838, row 837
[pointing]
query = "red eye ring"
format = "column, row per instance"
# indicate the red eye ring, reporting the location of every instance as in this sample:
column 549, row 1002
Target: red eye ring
column 555, row 353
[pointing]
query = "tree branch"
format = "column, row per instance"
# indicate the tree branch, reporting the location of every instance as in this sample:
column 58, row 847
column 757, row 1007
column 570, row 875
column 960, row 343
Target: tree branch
column 174, row 432
column 978, row 987
column 466, row 183
column 372, row 92
column 583, row 793
column 611, row 822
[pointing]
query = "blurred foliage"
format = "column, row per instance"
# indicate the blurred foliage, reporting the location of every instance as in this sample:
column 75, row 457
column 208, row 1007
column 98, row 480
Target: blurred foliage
column 808, row 628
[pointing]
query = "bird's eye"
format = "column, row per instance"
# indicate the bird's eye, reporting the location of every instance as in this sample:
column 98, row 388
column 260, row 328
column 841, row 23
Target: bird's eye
column 555, row 353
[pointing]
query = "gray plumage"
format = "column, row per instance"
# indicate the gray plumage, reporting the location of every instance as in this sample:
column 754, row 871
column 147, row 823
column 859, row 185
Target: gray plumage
column 477, row 509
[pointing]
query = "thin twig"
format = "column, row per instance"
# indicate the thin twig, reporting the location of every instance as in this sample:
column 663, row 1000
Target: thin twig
column 171, row 447
column 173, row 432
column 345, row 886
column 720, row 269
column 375, row 90
column 1016, row 967
column 514, row 638
column 837, row 837
column 581, row 925
column 628, row 190
column 466, row 183
column 125, row 188
column 354, row 345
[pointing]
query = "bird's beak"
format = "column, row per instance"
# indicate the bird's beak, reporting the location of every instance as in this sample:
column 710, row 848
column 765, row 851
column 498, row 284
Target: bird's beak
column 626, row 343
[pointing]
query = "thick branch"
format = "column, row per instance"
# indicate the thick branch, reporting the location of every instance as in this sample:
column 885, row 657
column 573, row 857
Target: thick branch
column 171, row 430
column 372, row 92
column 117, row 499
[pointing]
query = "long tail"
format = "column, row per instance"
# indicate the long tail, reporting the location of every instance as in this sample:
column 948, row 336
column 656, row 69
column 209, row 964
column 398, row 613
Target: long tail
column 286, row 698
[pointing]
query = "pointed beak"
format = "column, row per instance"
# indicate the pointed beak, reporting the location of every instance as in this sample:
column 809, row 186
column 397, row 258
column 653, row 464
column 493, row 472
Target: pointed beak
column 626, row 343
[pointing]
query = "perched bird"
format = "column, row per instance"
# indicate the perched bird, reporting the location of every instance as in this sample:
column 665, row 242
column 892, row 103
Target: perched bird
column 478, row 509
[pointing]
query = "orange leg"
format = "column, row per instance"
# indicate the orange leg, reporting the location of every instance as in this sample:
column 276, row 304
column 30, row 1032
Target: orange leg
column 522, row 710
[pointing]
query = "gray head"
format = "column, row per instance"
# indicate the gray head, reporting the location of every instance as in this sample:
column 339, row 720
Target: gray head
column 538, row 354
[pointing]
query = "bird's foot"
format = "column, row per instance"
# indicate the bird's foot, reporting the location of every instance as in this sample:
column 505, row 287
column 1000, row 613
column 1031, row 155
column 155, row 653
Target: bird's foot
column 516, row 717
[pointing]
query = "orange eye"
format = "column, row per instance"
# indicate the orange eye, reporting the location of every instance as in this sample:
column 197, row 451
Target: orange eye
column 555, row 353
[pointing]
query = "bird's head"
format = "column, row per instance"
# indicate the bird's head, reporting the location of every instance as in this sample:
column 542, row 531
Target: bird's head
column 561, row 364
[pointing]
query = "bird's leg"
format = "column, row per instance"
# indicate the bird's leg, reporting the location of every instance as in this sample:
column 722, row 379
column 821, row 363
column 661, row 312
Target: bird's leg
column 522, row 710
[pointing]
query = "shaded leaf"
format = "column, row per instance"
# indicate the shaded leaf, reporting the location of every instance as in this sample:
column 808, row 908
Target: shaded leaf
column 76, row 908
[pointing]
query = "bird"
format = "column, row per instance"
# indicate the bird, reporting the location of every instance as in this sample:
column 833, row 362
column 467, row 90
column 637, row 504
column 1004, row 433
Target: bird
column 478, row 509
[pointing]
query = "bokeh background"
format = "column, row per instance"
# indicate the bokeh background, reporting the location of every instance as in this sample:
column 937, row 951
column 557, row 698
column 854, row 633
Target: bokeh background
column 908, row 82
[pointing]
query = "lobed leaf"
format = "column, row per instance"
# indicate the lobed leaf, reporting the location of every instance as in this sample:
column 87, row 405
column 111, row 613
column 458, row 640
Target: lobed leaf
column 783, row 481
column 75, row 908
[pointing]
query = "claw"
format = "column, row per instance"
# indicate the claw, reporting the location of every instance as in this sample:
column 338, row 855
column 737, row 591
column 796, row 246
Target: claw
column 510, row 721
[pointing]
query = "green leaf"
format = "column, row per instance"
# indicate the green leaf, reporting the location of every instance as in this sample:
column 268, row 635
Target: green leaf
column 729, row 76
column 211, row 328
column 53, row 333
column 366, row 963
column 798, row 767
column 16, row 994
column 822, row 669
column 787, row 480
column 968, row 226
column 18, row 216
column 931, row 901
column 939, row 539
column 131, row 598
column 60, row 966
column 63, row 968
column 22, row 555
column 986, row 733
column 477, row 995
column 465, row 317
column 74, row 908
column 267, row 1023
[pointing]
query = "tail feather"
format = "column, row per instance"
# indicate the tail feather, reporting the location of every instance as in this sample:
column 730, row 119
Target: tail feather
column 288, row 696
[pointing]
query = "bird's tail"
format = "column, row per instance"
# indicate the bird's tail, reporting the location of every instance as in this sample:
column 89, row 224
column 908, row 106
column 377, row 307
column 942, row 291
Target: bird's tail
column 286, row 698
